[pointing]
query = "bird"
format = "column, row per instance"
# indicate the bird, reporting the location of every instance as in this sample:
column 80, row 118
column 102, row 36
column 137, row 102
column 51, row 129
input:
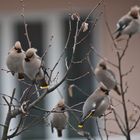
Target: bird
column 95, row 105
column 15, row 59
column 33, row 68
column 59, row 118
column 106, row 76
column 129, row 23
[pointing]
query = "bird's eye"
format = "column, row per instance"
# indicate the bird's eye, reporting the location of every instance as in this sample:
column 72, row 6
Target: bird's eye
column 102, row 66
column 18, row 50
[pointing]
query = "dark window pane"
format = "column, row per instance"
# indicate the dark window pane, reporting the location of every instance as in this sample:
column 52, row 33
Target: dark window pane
column 35, row 31
column 86, row 84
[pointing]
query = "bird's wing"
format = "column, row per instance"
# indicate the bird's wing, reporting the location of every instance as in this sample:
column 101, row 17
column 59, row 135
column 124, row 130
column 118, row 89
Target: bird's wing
column 91, row 112
column 123, row 23
column 110, row 74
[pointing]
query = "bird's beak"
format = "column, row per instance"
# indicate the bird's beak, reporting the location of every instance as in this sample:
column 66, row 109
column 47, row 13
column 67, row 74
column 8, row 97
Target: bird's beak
column 27, row 59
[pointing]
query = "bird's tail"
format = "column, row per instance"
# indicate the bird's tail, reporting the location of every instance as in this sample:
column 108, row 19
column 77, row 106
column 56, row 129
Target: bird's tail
column 117, row 90
column 59, row 133
column 118, row 35
column 43, row 84
column 117, row 32
column 81, row 125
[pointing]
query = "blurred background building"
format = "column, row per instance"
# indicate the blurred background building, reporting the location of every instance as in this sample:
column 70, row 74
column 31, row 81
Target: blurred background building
column 47, row 19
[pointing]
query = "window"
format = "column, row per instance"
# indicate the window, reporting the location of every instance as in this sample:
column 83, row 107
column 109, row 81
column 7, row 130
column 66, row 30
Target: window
column 35, row 30
column 40, row 33
column 86, row 84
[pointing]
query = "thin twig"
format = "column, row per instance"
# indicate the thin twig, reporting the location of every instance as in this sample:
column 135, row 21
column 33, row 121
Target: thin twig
column 7, row 102
column 2, row 94
column 37, row 91
column 134, row 104
column 135, row 124
column 120, row 56
column 13, row 94
column 2, row 125
column 25, row 24
column 44, row 54
column 113, row 132
column 105, row 59
column 18, row 127
column 126, row 47
column 93, row 26
column 63, row 52
column 105, row 128
column 78, row 78
column 34, row 123
column 91, row 12
column 81, row 133
column 75, row 105
column 98, row 128
column 79, row 89
column 118, row 123
column 130, row 70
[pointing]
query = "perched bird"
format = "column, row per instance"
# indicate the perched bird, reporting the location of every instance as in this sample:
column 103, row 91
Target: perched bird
column 33, row 67
column 15, row 60
column 95, row 105
column 59, row 118
column 130, row 23
column 106, row 76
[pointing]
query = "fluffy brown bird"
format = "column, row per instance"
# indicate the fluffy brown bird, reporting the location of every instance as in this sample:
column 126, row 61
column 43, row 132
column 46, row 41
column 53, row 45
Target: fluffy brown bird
column 15, row 59
column 59, row 118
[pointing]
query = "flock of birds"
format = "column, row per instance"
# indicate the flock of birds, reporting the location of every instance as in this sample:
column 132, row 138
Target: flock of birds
column 30, row 64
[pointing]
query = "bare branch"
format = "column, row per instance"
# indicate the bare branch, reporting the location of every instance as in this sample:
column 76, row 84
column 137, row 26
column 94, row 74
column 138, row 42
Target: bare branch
column 81, row 133
column 79, row 89
column 63, row 52
column 98, row 128
column 2, row 125
column 118, row 123
column 136, row 123
column 32, row 124
column 113, row 132
column 98, row 4
column 15, row 132
column 78, row 104
column 2, row 94
column 7, row 102
column 13, row 94
column 6, row 70
column 105, row 59
column 126, row 47
column 105, row 128
column 44, row 54
column 25, row 24
column 78, row 78
column 134, row 104
column 93, row 26
column 130, row 70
